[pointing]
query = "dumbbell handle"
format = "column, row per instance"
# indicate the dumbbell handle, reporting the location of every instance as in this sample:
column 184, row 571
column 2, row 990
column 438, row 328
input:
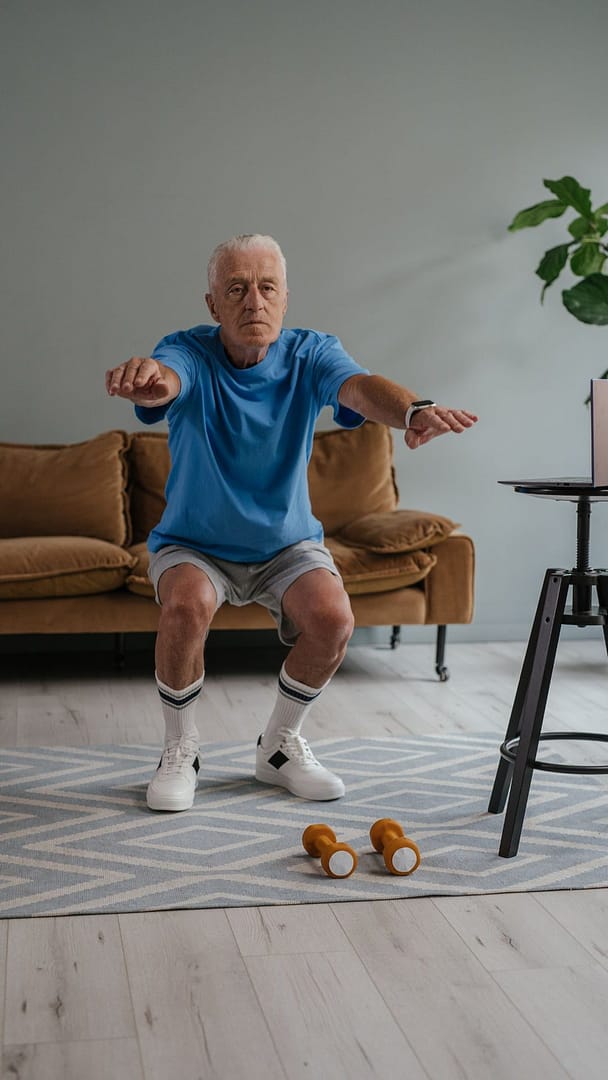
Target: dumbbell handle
column 391, row 834
column 337, row 859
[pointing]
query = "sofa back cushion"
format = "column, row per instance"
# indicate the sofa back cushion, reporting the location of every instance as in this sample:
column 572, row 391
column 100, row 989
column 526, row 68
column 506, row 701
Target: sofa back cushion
column 350, row 474
column 74, row 490
column 149, row 464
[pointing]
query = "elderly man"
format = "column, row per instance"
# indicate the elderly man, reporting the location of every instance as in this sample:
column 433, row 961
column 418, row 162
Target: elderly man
column 241, row 399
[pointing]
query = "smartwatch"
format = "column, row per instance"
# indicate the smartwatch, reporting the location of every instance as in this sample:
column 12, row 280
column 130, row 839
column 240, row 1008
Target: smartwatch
column 415, row 407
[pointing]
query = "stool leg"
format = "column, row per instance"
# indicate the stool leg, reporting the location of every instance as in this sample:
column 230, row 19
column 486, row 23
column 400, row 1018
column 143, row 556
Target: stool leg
column 602, row 595
column 504, row 772
column 555, row 591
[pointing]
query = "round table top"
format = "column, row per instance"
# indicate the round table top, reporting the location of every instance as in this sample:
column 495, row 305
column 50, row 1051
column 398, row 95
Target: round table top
column 571, row 488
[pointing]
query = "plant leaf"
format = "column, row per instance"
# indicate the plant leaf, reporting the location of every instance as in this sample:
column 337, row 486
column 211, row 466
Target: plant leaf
column 601, row 225
column 579, row 228
column 535, row 215
column 569, row 191
column 587, row 259
column 552, row 264
column 602, row 210
column 588, row 300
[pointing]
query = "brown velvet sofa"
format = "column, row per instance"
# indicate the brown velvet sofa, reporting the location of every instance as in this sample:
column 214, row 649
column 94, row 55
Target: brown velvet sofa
column 74, row 521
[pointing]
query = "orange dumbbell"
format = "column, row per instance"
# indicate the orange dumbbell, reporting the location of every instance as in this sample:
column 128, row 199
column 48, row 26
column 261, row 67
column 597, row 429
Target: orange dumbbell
column 401, row 855
column 337, row 860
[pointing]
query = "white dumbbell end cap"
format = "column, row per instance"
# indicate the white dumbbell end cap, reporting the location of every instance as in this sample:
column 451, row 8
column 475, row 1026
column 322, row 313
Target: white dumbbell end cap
column 341, row 863
column 404, row 860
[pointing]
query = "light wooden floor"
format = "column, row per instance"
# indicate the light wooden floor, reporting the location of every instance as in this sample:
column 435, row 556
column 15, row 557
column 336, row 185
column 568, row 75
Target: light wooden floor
column 493, row 987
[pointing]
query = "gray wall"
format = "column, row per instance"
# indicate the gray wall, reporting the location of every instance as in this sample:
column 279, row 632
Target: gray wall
column 387, row 146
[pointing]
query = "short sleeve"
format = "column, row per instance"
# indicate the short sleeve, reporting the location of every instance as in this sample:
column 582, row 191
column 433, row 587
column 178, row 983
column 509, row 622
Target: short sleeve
column 173, row 354
column 333, row 366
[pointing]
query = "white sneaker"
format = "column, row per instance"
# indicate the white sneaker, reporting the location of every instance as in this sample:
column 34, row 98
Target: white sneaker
column 174, row 783
column 290, row 763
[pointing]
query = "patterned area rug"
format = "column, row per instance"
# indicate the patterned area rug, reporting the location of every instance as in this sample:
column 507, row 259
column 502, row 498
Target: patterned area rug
column 76, row 835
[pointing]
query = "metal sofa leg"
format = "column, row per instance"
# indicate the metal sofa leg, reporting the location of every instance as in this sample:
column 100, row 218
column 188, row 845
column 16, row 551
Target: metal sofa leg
column 119, row 650
column 395, row 636
column 440, row 667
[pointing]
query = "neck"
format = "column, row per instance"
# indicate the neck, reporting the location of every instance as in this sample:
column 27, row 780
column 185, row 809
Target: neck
column 243, row 356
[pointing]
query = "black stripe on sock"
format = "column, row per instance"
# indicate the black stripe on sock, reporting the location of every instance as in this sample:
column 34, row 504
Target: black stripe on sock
column 176, row 702
column 297, row 695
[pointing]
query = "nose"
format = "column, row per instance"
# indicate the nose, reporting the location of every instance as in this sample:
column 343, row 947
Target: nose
column 254, row 301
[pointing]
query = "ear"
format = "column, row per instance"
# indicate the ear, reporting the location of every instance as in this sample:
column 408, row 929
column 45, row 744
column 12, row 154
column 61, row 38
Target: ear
column 211, row 306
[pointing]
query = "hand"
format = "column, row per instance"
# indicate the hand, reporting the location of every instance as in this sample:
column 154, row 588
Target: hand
column 143, row 381
column 428, row 423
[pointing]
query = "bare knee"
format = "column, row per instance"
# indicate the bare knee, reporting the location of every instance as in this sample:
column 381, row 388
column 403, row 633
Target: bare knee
column 188, row 599
column 330, row 623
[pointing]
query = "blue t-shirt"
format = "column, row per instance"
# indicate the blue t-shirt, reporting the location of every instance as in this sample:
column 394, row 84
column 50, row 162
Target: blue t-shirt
column 240, row 441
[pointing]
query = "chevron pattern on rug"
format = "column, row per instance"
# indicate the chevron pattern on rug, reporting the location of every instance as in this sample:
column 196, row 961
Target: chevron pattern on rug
column 76, row 835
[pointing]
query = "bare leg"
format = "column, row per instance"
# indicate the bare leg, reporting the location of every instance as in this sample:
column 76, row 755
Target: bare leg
column 320, row 609
column 188, row 602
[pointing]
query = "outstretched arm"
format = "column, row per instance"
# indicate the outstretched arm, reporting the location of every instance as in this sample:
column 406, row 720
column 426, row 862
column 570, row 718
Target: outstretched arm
column 143, row 381
column 380, row 399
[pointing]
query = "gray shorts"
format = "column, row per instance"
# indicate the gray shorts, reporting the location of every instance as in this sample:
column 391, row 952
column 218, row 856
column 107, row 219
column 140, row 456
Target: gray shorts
column 244, row 583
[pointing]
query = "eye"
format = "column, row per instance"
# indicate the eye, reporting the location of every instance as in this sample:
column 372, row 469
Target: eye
column 235, row 290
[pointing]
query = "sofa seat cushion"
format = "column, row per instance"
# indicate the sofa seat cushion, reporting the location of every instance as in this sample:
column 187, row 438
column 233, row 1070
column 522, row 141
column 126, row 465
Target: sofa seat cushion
column 35, row 566
column 362, row 571
column 74, row 490
column 396, row 531
column 138, row 581
column 365, row 572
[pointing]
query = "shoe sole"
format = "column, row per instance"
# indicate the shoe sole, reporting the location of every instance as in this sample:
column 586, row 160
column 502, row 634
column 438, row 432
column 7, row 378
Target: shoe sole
column 170, row 805
column 276, row 780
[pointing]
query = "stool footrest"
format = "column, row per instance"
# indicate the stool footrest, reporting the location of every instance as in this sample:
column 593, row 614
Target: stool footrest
column 509, row 748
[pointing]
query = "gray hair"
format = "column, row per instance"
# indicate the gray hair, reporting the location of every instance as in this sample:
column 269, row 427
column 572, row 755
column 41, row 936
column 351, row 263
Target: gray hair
column 243, row 242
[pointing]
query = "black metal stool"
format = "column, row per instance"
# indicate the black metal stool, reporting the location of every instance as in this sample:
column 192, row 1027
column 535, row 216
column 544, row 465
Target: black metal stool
column 520, row 747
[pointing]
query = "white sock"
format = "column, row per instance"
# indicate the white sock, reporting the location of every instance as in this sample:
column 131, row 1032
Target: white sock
column 293, row 703
column 179, row 711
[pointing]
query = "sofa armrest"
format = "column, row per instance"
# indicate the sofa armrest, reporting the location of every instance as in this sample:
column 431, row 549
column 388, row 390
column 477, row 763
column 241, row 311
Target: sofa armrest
column 449, row 588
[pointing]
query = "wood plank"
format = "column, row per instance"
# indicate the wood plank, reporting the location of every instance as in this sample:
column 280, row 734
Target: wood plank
column 584, row 914
column 287, row 929
column 455, row 1017
column 195, row 1008
column 66, row 981
column 108, row 1059
column 3, row 951
column 567, row 1008
column 329, row 1020
column 510, row 932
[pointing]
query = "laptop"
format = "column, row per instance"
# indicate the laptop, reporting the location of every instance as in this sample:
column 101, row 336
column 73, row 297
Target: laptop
column 599, row 432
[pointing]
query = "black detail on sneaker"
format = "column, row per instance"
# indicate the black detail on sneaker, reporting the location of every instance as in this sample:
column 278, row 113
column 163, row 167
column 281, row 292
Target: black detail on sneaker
column 259, row 742
column 195, row 764
column 278, row 759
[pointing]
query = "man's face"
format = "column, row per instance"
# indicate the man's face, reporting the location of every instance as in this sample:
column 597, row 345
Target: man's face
column 249, row 300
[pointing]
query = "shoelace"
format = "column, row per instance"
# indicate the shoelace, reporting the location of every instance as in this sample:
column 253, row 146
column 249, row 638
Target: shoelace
column 298, row 749
column 175, row 757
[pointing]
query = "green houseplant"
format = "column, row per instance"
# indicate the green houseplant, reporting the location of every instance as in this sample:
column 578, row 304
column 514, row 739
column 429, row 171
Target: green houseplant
column 586, row 251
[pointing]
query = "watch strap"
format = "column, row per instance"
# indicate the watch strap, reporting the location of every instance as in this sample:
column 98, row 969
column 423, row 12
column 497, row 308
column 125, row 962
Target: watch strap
column 415, row 407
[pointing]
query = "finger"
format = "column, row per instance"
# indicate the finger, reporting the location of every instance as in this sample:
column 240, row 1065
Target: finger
column 114, row 379
column 464, row 417
column 130, row 372
column 147, row 372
